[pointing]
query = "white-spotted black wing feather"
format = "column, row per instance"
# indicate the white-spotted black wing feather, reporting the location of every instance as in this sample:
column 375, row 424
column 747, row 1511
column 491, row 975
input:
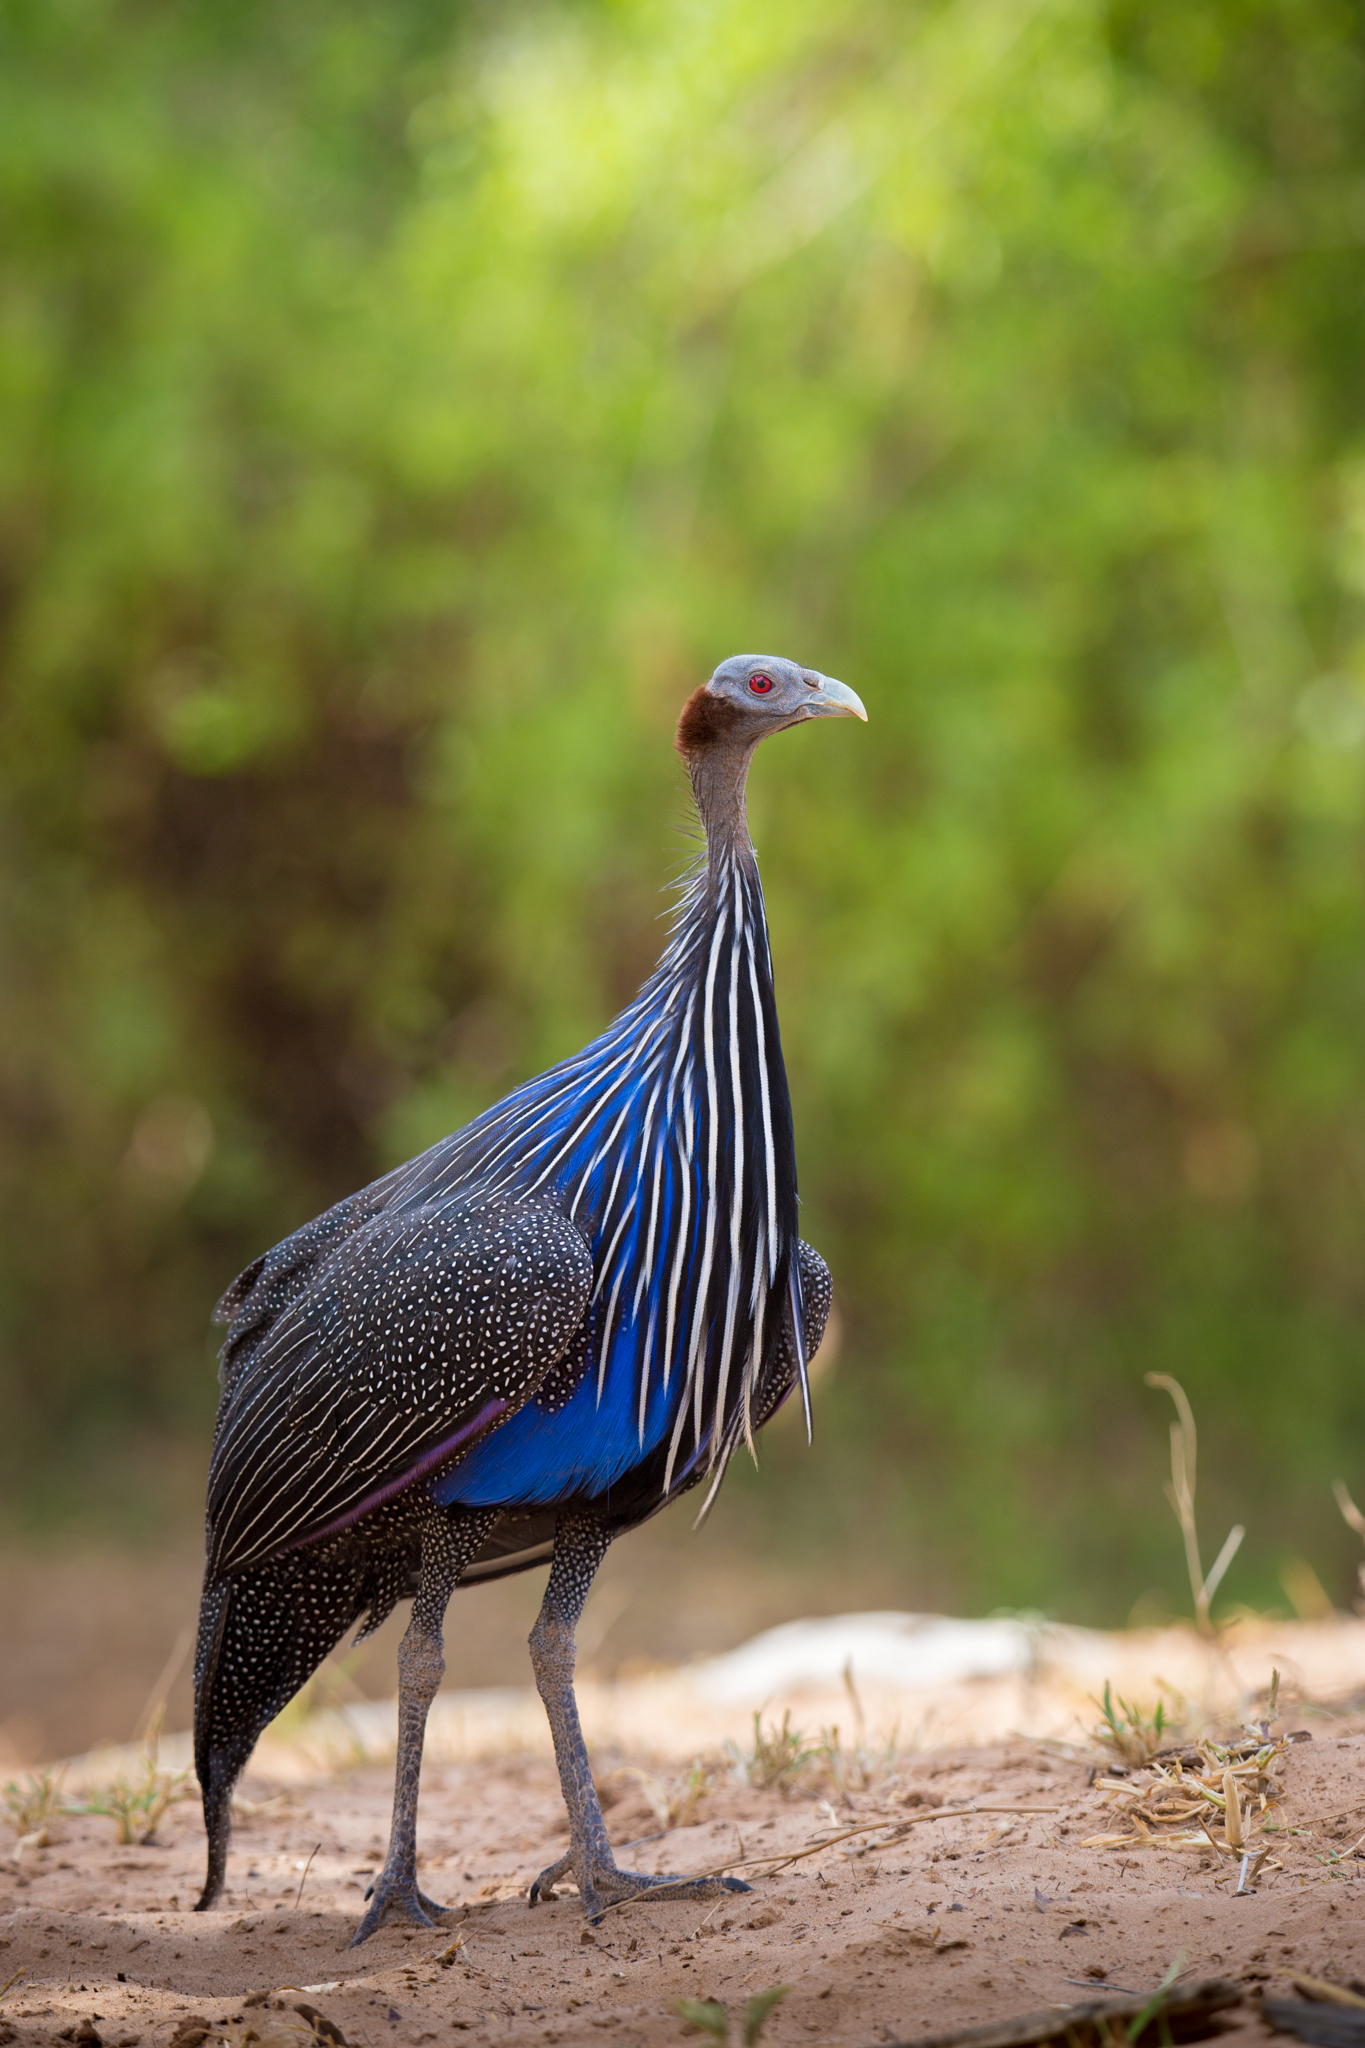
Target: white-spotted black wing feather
column 260, row 1294
column 784, row 1375
column 382, row 1352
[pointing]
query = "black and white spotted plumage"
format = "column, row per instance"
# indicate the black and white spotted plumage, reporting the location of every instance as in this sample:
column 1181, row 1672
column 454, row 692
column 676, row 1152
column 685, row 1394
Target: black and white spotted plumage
column 408, row 1334
column 562, row 1316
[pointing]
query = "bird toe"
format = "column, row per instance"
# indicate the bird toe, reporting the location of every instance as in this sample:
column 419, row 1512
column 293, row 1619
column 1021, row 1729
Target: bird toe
column 395, row 1901
column 612, row 1887
column 544, row 1886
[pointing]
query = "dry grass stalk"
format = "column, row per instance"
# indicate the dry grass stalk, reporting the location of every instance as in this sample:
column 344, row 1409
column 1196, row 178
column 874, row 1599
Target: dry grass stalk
column 1321, row 1991
column 1180, row 1491
column 1351, row 1515
column 1250, row 1871
column 1232, row 1811
column 1175, row 1800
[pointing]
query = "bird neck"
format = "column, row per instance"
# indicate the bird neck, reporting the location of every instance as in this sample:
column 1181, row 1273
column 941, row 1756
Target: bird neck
column 719, row 775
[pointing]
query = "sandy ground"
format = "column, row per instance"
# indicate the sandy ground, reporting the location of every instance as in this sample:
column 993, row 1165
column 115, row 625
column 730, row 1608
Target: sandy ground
column 950, row 1920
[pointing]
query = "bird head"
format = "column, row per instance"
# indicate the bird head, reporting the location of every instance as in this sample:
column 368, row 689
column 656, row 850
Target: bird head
column 751, row 695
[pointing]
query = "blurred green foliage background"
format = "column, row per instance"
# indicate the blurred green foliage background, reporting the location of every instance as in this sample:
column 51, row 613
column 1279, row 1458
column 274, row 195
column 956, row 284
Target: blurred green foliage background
column 403, row 405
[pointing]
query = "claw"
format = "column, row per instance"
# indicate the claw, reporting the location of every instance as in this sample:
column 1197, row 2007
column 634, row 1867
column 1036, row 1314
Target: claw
column 396, row 1900
column 544, row 1886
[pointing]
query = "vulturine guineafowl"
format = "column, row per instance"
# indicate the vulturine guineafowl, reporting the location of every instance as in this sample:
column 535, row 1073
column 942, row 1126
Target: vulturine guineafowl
column 525, row 1341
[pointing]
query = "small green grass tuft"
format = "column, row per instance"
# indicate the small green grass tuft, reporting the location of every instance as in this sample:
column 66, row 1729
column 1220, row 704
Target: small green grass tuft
column 709, row 2016
column 32, row 1807
column 674, row 1801
column 777, row 1758
column 138, row 1803
column 1133, row 1736
column 786, row 1759
column 757, row 2008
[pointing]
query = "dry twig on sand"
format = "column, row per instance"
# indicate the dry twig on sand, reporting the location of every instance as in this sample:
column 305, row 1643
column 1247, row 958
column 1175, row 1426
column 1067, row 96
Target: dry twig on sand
column 779, row 1859
column 1157, row 2016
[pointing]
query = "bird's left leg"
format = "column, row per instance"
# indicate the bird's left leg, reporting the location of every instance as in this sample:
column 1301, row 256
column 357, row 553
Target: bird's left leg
column 450, row 1539
column 581, row 1543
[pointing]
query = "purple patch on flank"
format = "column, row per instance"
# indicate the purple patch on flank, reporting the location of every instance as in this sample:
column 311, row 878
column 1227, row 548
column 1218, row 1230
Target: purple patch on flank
column 488, row 1413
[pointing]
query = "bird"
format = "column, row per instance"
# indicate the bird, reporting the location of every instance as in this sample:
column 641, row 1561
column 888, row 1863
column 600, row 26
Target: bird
column 524, row 1342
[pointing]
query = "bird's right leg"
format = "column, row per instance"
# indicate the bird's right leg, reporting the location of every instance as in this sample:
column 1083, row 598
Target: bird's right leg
column 449, row 1541
column 581, row 1543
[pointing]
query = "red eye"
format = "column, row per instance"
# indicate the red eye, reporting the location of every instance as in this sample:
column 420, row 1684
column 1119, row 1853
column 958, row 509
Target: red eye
column 760, row 685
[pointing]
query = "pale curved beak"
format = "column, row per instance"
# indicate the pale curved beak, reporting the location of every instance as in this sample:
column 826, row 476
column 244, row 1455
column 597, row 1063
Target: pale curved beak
column 835, row 700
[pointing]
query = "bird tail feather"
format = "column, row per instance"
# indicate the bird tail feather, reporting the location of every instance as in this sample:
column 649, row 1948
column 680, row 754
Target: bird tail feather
column 262, row 1635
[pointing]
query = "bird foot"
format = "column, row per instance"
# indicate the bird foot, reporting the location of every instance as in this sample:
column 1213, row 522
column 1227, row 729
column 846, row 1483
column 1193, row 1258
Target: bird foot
column 604, row 1885
column 396, row 1898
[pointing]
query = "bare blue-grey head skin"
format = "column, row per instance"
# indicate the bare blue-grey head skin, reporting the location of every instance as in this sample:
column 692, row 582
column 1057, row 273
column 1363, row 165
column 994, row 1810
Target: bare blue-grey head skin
column 772, row 692
column 523, row 1343
column 748, row 697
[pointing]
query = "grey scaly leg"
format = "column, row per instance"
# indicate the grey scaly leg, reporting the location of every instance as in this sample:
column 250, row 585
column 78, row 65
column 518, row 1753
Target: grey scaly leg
column 449, row 1541
column 580, row 1545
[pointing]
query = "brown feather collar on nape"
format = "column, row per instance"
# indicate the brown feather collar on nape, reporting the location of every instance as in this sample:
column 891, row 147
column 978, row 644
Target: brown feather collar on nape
column 704, row 720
